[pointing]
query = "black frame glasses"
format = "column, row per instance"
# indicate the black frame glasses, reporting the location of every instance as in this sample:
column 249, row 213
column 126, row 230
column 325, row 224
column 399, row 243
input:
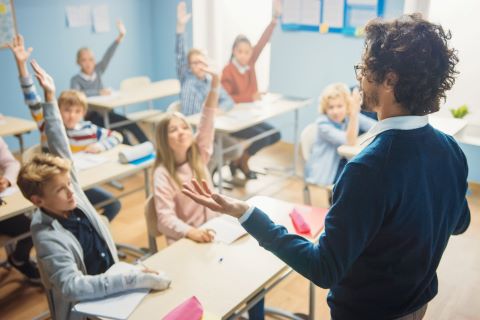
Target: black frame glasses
column 359, row 70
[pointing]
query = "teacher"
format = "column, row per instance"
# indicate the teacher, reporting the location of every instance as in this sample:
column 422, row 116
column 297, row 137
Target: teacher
column 397, row 203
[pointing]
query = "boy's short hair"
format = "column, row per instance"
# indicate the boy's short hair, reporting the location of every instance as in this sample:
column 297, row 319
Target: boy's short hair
column 332, row 91
column 39, row 170
column 193, row 52
column 73, row 97
column 82, row 50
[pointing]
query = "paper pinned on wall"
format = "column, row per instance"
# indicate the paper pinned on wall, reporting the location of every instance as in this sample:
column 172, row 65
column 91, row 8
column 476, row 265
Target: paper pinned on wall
column 333, row 12
column 7, row 23
column 304, row 12
column 101, row 19
column 78, row 16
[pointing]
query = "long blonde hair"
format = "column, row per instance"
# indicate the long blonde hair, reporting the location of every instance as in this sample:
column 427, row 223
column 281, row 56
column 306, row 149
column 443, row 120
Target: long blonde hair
column 165, row 154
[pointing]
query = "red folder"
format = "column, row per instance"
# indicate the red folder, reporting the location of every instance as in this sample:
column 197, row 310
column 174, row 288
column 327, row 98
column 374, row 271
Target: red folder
column 191, row 309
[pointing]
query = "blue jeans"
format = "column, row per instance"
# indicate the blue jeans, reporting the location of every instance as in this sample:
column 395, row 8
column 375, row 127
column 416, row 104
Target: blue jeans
column 97, row 195
column 257, row 312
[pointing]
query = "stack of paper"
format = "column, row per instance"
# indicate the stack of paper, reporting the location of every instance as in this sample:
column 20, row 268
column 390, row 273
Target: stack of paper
column 83, row 161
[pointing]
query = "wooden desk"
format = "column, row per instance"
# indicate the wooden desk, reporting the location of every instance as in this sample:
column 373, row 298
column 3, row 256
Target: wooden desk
column 110, row 170
column 11, row 126
column 155, row 90
column 222, row 287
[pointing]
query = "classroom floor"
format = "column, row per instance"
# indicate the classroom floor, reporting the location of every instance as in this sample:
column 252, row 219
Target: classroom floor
column 459, row 271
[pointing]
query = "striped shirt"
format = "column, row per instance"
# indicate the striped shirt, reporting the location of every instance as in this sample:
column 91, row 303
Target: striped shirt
column 81, row 136
column 194, row 91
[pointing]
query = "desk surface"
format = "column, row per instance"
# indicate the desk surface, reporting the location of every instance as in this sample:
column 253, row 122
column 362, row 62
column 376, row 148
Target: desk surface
column 245, row 115
column 221, row 287
column 112, row 169
column 155, row 90
column 10, row 126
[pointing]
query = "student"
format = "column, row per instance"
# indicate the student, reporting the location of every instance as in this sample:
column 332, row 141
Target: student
column 74, row 247
column 82, row 135
column 338, row 124
column 89, row 81
column 195, row 82
column 240, row 81
column 398, row 202
column 182, row 156
column 19, row 224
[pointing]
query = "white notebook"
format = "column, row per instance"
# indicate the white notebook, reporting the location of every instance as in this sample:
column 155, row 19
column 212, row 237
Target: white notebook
column 119, row 306
column 227, row 229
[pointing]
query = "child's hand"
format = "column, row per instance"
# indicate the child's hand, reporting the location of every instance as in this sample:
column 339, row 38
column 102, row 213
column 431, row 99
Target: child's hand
column 93, row 148
column 18, row 49
column 46, row 81
column 182, row 16
column 105, row 92
column 257, row 96
column 4, row 184
column 277, row 9
column 122, row 31
column 355, row 102
column 200, row 235
column 215, row 76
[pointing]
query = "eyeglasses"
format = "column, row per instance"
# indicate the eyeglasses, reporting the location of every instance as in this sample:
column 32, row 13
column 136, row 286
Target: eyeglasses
column 359, row 70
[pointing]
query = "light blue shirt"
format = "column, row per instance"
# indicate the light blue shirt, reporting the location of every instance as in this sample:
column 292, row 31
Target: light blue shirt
column 322, row 164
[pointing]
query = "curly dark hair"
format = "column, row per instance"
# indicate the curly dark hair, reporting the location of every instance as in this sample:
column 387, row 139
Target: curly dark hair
column 417, row 52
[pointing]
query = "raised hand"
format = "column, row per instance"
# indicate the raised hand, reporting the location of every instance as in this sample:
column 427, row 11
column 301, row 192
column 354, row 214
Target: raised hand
column 277, row 8
column 45, row 80
column 202, row 194
column 182, row 16
column 20, row 53
column 215, row 77
column 122, row 31
column 355, row 102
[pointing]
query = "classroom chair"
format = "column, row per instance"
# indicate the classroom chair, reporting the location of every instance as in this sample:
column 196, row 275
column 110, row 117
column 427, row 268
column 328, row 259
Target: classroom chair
column 307, row 139
column 174, row 106
column 30, row 152
column 151, row 222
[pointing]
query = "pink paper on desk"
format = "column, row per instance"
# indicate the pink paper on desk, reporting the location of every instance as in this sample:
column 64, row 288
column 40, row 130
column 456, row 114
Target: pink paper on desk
column 314, row 218
column 191, row 309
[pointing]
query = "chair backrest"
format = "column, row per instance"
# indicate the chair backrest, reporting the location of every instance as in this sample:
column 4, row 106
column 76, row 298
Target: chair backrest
column 307, row 139
column 134, row 83
column 151, row 221
column 175, row 106
column 30, row 152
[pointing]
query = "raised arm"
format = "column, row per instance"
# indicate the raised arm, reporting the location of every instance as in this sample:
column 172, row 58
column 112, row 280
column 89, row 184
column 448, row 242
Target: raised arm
column 267, row 33
column 107, row 56
column 181, row 57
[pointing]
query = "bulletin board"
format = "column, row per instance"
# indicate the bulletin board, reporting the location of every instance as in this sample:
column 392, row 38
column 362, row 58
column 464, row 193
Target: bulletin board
column 7, row 22
column 347, row 17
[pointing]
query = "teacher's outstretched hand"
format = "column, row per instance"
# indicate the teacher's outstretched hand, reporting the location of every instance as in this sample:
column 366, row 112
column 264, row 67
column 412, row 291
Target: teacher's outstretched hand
column 201, row 194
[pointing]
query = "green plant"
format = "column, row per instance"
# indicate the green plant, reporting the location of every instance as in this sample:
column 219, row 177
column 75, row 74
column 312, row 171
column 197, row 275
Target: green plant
column 460, row 112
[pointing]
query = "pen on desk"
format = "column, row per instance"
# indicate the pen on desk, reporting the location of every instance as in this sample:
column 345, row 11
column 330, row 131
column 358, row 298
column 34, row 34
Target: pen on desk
column 220, row 260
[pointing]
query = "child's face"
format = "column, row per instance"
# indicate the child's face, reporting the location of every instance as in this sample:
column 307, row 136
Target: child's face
column 58, row 196
column 86, row 61
column 71, row 115
column 197, row 65
column 242, row 53
column 180, row 135
column 336, row 109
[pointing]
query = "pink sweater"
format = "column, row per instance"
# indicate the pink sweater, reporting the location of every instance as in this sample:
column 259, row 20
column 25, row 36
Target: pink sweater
column 177, row 213
column 9, row 166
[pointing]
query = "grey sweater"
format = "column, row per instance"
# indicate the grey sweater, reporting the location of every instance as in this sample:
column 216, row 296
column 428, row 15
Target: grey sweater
column 93, row 87
column 60, row 255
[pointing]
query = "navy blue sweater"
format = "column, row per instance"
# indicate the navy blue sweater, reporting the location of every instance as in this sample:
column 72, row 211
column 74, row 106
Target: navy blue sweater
column 394, row 208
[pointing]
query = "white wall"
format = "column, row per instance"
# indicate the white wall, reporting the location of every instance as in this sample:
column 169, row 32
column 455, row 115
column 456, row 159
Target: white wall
column 216, row 23
column 460, row 17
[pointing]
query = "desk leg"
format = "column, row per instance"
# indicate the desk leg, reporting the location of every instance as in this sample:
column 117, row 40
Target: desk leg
column 311, row 301
column 106, row 120
column 295, row 141
column 219, row 160
column 21, row 143
column 147, row 182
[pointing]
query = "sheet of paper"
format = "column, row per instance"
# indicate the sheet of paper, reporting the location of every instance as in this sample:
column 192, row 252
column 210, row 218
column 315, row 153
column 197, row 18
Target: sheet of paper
column 119, row 306
column 244, row 113
column 360, row 17
column 227, row 229
column 333, row 13
column 101, row 18
column 7, row 23
column 79, row 16
column 8, row 192
column 362, row 2
column 292, row 11
column 310, row 12
column 83, row 161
